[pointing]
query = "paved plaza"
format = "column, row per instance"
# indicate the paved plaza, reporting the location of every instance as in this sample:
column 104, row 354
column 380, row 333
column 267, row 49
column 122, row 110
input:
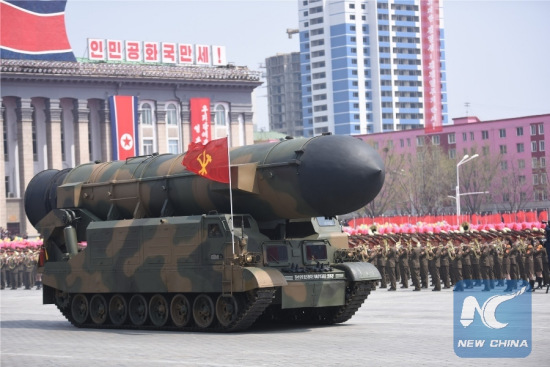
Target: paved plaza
column 402, row 328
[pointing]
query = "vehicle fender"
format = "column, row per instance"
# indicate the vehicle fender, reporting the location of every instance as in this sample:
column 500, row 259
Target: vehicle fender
column 359, row 271
column 262, row 278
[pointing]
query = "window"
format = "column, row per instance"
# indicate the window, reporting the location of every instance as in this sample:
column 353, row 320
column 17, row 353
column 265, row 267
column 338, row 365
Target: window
column 519, row 131
column 419, row 141
column 506, row 197
column 520, row 147
column 451, row 138
column 485, row 150
column 147, row 146
column 541, row 146
column 464, row 136
column 523, row 196
column 521, row 179
column 535, row 179
column 502, row 149
column 521, row 163
column 533, row 129
column 485, row 135
column 452, row 153
column 472, row 136
column 315, row 252
column 504, row 165
column 146, row 114
column 542, row 162
column 541, row 129
column 502, row 133
column 171, row 114
column 276, row 253
column 435, row 139
column 534, row 163
column 543, row 178
column 173, row 146
column 219, row 117
column 533, row 146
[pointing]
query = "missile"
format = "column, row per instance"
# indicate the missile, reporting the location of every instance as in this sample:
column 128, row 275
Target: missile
column 326, row 175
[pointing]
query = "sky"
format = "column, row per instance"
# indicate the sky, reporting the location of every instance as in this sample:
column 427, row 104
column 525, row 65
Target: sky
column 497, row 52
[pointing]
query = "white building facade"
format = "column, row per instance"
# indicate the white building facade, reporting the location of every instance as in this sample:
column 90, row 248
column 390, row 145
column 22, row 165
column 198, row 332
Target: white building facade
column 372, row 65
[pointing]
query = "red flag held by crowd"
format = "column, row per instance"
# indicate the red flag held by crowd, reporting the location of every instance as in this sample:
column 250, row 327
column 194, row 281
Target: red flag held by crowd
column 209, row 160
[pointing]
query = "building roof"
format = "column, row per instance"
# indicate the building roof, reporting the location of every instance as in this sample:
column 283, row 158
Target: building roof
column 16, row 69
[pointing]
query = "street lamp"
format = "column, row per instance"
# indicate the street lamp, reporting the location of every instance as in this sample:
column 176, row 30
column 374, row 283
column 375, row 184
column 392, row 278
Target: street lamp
column 464, row 159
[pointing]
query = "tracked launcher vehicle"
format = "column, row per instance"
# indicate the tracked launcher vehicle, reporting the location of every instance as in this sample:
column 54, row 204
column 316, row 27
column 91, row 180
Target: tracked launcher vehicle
column 144, row 243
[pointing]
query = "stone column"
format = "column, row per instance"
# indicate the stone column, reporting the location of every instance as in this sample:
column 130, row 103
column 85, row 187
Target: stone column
column 3, row 204
column 81, row 132
column 185, row 126
column 26, row 163
column 53, row 135
column 162, row 143
column 105, row 133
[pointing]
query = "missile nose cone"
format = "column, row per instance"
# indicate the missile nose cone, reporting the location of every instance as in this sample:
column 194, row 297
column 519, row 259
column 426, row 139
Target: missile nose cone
column 340, row 174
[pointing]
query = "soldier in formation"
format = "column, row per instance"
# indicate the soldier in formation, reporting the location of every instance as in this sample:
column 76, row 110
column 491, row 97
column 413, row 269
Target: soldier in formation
column 19, row 268
column 466, row 259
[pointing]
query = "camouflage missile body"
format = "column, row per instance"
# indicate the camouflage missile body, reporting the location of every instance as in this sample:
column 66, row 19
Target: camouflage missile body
column 160, row 252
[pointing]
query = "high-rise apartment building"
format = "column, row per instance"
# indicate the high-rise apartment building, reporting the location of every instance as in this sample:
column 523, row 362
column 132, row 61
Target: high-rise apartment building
column 371, row 65
column 284, row 94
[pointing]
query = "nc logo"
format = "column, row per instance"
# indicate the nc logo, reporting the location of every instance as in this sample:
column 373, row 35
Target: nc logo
column 487, row 312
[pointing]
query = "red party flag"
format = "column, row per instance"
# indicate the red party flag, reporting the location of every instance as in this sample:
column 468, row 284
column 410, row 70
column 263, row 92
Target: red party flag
column 210, row 160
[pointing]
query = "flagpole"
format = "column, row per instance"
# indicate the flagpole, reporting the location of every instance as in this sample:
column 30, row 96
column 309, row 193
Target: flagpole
column 230, row 195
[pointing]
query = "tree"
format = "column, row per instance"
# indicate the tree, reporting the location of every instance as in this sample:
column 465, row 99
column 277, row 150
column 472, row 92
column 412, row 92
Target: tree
column 478, row 176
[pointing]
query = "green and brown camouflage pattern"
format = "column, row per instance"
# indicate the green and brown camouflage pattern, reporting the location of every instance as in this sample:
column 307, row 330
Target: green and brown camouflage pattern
column 134, row 243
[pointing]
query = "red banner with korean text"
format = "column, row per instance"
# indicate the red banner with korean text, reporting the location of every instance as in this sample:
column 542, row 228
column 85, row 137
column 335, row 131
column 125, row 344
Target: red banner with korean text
column 124, row 129
column 431, row 65
column 200, row 120
column 209, row 160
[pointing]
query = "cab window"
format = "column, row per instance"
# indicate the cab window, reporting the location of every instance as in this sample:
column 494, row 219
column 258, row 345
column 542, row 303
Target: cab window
column 315, row 251
column 214, row 230
column 276, row 253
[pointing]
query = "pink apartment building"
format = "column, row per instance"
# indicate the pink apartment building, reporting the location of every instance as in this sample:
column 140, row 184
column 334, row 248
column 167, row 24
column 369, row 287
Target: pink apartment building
column 518, row 144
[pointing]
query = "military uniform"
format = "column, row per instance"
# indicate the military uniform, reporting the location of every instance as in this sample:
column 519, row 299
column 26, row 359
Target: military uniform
column 485, row 265
column 444, row 269
column 390, row 267
column 3, row 268
column 415, row 267
column 381, row 266
column 424, row 268
column 404, row 267
column 436, row 263
column 467, row 266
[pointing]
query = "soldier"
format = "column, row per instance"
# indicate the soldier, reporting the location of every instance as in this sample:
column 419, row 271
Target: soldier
column 444, row 269
column 381, row 264
column 530, row 266
column 474, row 258
column 3, row 267
column 12, row 268
column 467, row 266
column 29, row 265
column 456, row 266
column 404, row 267
column 414, row 257
column 435, row 253
column 424, row 267
column 522, row 275
column 390, row 267
column 538, row 266
column 497, row 264
column 485, row 264
column 513, row 267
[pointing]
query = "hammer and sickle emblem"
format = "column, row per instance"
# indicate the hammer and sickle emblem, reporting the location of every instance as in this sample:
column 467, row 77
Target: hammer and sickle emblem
column 204, row 159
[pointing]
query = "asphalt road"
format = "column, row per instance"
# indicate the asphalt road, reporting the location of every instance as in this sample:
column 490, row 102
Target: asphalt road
column 402, row 328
